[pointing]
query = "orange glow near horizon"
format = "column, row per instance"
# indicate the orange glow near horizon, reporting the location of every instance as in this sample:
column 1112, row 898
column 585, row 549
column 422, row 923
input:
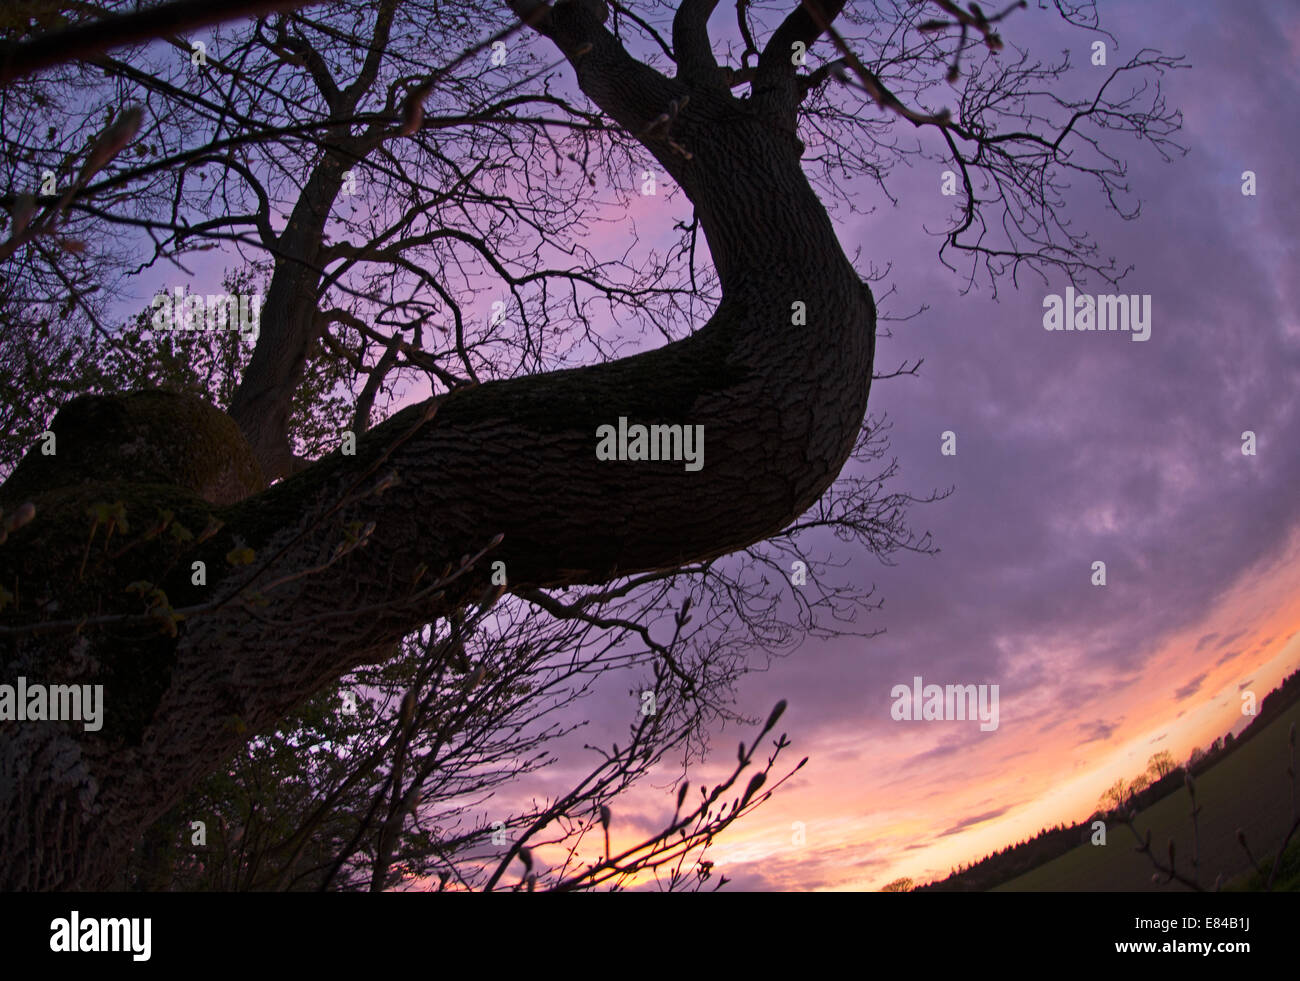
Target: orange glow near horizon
column 870, row 816
column 875, row 818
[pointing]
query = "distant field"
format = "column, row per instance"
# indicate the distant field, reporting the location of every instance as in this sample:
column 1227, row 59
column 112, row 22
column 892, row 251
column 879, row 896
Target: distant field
column 1248, row 790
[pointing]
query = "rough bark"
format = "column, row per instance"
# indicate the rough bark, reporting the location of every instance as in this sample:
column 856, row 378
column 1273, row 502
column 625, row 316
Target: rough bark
column 781, row 406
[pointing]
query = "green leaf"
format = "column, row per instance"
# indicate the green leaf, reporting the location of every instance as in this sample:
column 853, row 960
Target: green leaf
column 240, row 556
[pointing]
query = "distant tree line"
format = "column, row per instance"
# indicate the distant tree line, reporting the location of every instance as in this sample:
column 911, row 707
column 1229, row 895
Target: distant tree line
column 1162, row 776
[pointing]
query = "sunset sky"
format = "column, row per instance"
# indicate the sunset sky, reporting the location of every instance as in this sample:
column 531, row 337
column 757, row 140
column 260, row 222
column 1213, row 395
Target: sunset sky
column 1071, row 448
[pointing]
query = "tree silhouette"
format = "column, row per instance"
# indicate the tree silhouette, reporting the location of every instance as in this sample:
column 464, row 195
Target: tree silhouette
column 1161, row 764
column 414, row 521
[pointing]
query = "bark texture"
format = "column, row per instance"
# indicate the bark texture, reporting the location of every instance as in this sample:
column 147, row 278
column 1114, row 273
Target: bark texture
column 781, row 406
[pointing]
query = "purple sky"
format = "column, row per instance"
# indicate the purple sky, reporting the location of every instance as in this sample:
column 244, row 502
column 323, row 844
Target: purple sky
column 1076, row 447
column 1071, row 448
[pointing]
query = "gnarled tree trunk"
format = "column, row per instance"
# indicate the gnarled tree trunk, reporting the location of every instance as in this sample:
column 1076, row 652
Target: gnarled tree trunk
column 781, row 406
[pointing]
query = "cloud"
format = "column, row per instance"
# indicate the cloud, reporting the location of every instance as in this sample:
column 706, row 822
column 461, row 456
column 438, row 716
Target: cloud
column 1192, row 687
column 965, row 823
column 949, row 746
column 747, row 877
column 1098, row 731
column 1229, row 639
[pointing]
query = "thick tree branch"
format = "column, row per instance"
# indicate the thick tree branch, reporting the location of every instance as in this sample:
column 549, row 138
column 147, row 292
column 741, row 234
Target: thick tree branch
column 774, row 83
column 85, row 41
column 695, row 62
